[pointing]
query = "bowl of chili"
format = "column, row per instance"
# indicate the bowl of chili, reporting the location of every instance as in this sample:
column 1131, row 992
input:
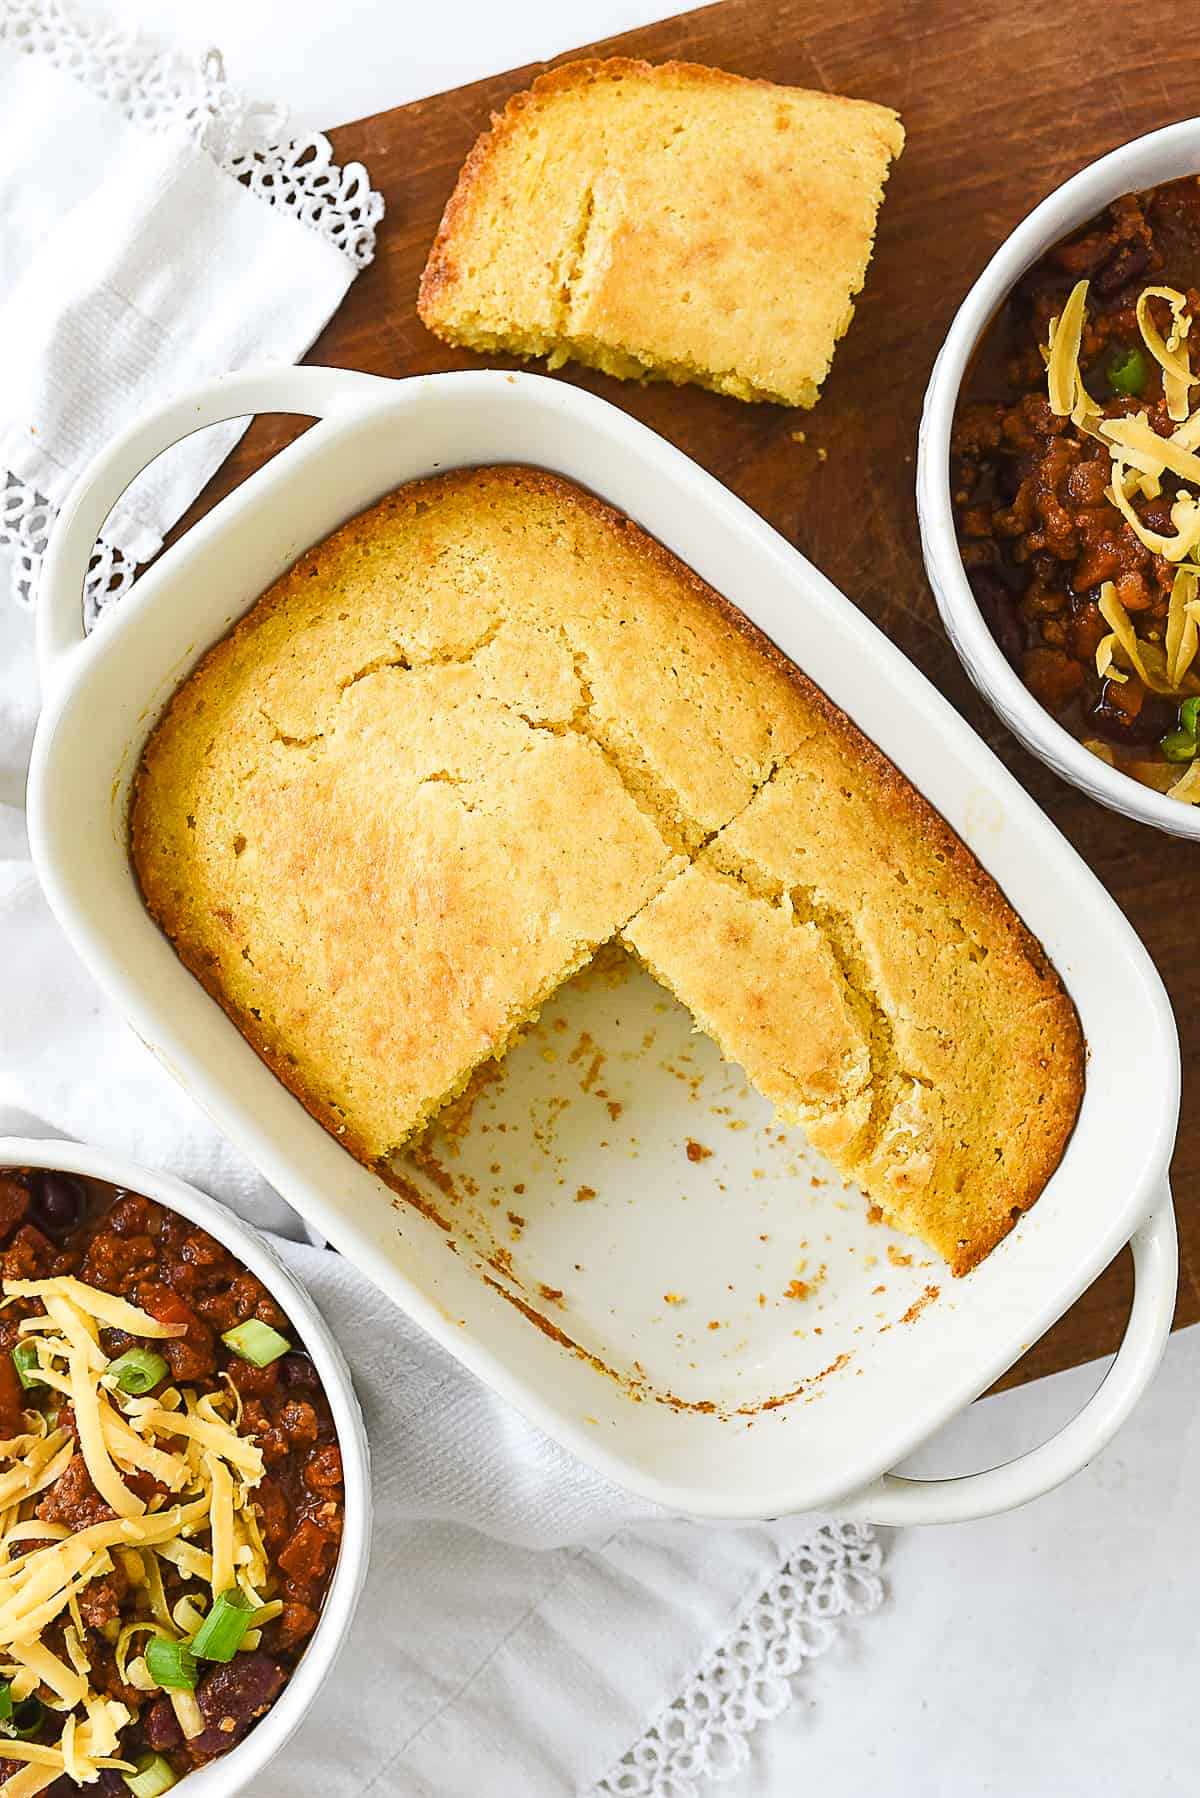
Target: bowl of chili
column 184, row 1484
column 1074, row 619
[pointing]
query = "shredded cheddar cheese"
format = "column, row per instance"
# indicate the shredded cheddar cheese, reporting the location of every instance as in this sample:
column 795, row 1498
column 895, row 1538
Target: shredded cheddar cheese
column 1062, row 363
column 1182, row 637
column 117, row 1314
column 1156, row 455
column 1171, row 355
column 206, row 1472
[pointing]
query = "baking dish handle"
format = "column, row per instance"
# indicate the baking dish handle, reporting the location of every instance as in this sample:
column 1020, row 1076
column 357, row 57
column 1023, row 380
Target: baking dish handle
column 893, row 1500
column 272, row 387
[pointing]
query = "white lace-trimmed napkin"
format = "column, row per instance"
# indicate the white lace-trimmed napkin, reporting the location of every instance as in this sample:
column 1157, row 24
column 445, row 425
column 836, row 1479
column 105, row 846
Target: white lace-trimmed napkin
column 527, row 1630
column 155, row 229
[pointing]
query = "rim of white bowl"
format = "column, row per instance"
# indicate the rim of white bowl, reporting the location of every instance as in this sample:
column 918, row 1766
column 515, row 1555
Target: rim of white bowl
column 1143, row 162
column 234, row 1771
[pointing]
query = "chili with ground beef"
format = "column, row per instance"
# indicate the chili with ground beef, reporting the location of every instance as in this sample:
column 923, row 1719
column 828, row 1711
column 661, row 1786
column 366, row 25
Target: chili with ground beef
column 54, row 1224
column 1037, row 534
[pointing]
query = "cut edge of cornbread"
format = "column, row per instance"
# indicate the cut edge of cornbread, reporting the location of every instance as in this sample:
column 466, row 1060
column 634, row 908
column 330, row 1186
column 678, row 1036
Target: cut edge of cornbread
column 330, row 1116
column 444, row 313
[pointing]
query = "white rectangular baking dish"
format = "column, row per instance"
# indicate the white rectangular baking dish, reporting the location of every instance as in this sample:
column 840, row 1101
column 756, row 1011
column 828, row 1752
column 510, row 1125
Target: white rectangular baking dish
column 870, row 1377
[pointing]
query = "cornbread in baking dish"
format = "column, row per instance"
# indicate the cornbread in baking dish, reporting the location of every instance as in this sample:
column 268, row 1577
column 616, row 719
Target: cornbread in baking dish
column 489, row 725
column 671, row 221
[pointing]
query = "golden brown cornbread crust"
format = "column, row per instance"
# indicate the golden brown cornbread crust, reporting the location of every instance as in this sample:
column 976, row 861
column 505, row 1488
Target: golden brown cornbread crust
column 613, row 257
column 493, row 670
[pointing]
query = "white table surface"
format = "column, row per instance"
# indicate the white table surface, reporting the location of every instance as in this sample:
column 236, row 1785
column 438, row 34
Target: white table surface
column 1048, row 1654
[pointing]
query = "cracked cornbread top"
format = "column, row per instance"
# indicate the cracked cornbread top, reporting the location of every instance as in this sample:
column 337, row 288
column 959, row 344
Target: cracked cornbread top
column 489, row 725
column 665, row 220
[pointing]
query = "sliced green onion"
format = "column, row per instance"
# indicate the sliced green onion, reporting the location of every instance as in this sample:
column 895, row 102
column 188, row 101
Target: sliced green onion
column 152, row 1775
column 5, row 1700
column 171, row 1664
column 25, row 1718
column 138, row 1371
column 1179, row 746
column 1127, row 371
column 220, row 1635
column 1189, row 711
column 256, row 1342
column 29, row 1368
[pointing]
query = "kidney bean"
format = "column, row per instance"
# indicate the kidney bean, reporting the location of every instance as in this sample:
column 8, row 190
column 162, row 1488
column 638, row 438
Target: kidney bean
column 231, row 1697
column 57, row 1203
column 298, row 1371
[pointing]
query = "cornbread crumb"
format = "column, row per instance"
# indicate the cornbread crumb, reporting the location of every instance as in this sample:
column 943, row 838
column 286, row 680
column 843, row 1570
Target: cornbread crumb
column 670, row 221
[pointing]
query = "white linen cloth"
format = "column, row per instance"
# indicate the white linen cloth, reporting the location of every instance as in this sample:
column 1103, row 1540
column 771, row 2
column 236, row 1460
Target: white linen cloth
column 527, row 1628
column 152, row 233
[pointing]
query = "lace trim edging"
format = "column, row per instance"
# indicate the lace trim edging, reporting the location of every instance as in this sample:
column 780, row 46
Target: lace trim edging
column 704, row 1734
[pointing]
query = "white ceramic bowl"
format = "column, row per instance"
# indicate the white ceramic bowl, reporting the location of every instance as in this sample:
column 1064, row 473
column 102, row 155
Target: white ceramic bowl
column 871, row 1392
column 235, row 1770
column 1161, row 156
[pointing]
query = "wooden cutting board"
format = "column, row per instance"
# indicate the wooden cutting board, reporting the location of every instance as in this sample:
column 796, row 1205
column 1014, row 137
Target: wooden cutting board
column 1000, row 105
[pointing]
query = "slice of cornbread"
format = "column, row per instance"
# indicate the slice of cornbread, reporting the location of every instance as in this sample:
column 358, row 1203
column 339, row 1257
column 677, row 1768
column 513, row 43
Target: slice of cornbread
column 838, row 919
column 490, row 725
column 672, row 221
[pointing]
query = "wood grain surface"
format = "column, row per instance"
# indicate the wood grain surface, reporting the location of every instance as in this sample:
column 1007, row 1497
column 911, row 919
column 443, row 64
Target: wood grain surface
column 1000, row 105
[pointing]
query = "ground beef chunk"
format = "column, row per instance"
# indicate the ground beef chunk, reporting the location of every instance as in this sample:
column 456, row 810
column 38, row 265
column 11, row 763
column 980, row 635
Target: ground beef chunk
column 323, row 1470
column 235, row 1301
column 116, row 1263
column 73, row 1499
column 14, row 1203
column 132, row 1215
column 28, row 1256
column 307, row 1550
column 273, row 1514
column 191, row 1358
column 295, row 1623
column 100, row 1599
column 299, row 1421
column 254, row 1382
column 271, row 1439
